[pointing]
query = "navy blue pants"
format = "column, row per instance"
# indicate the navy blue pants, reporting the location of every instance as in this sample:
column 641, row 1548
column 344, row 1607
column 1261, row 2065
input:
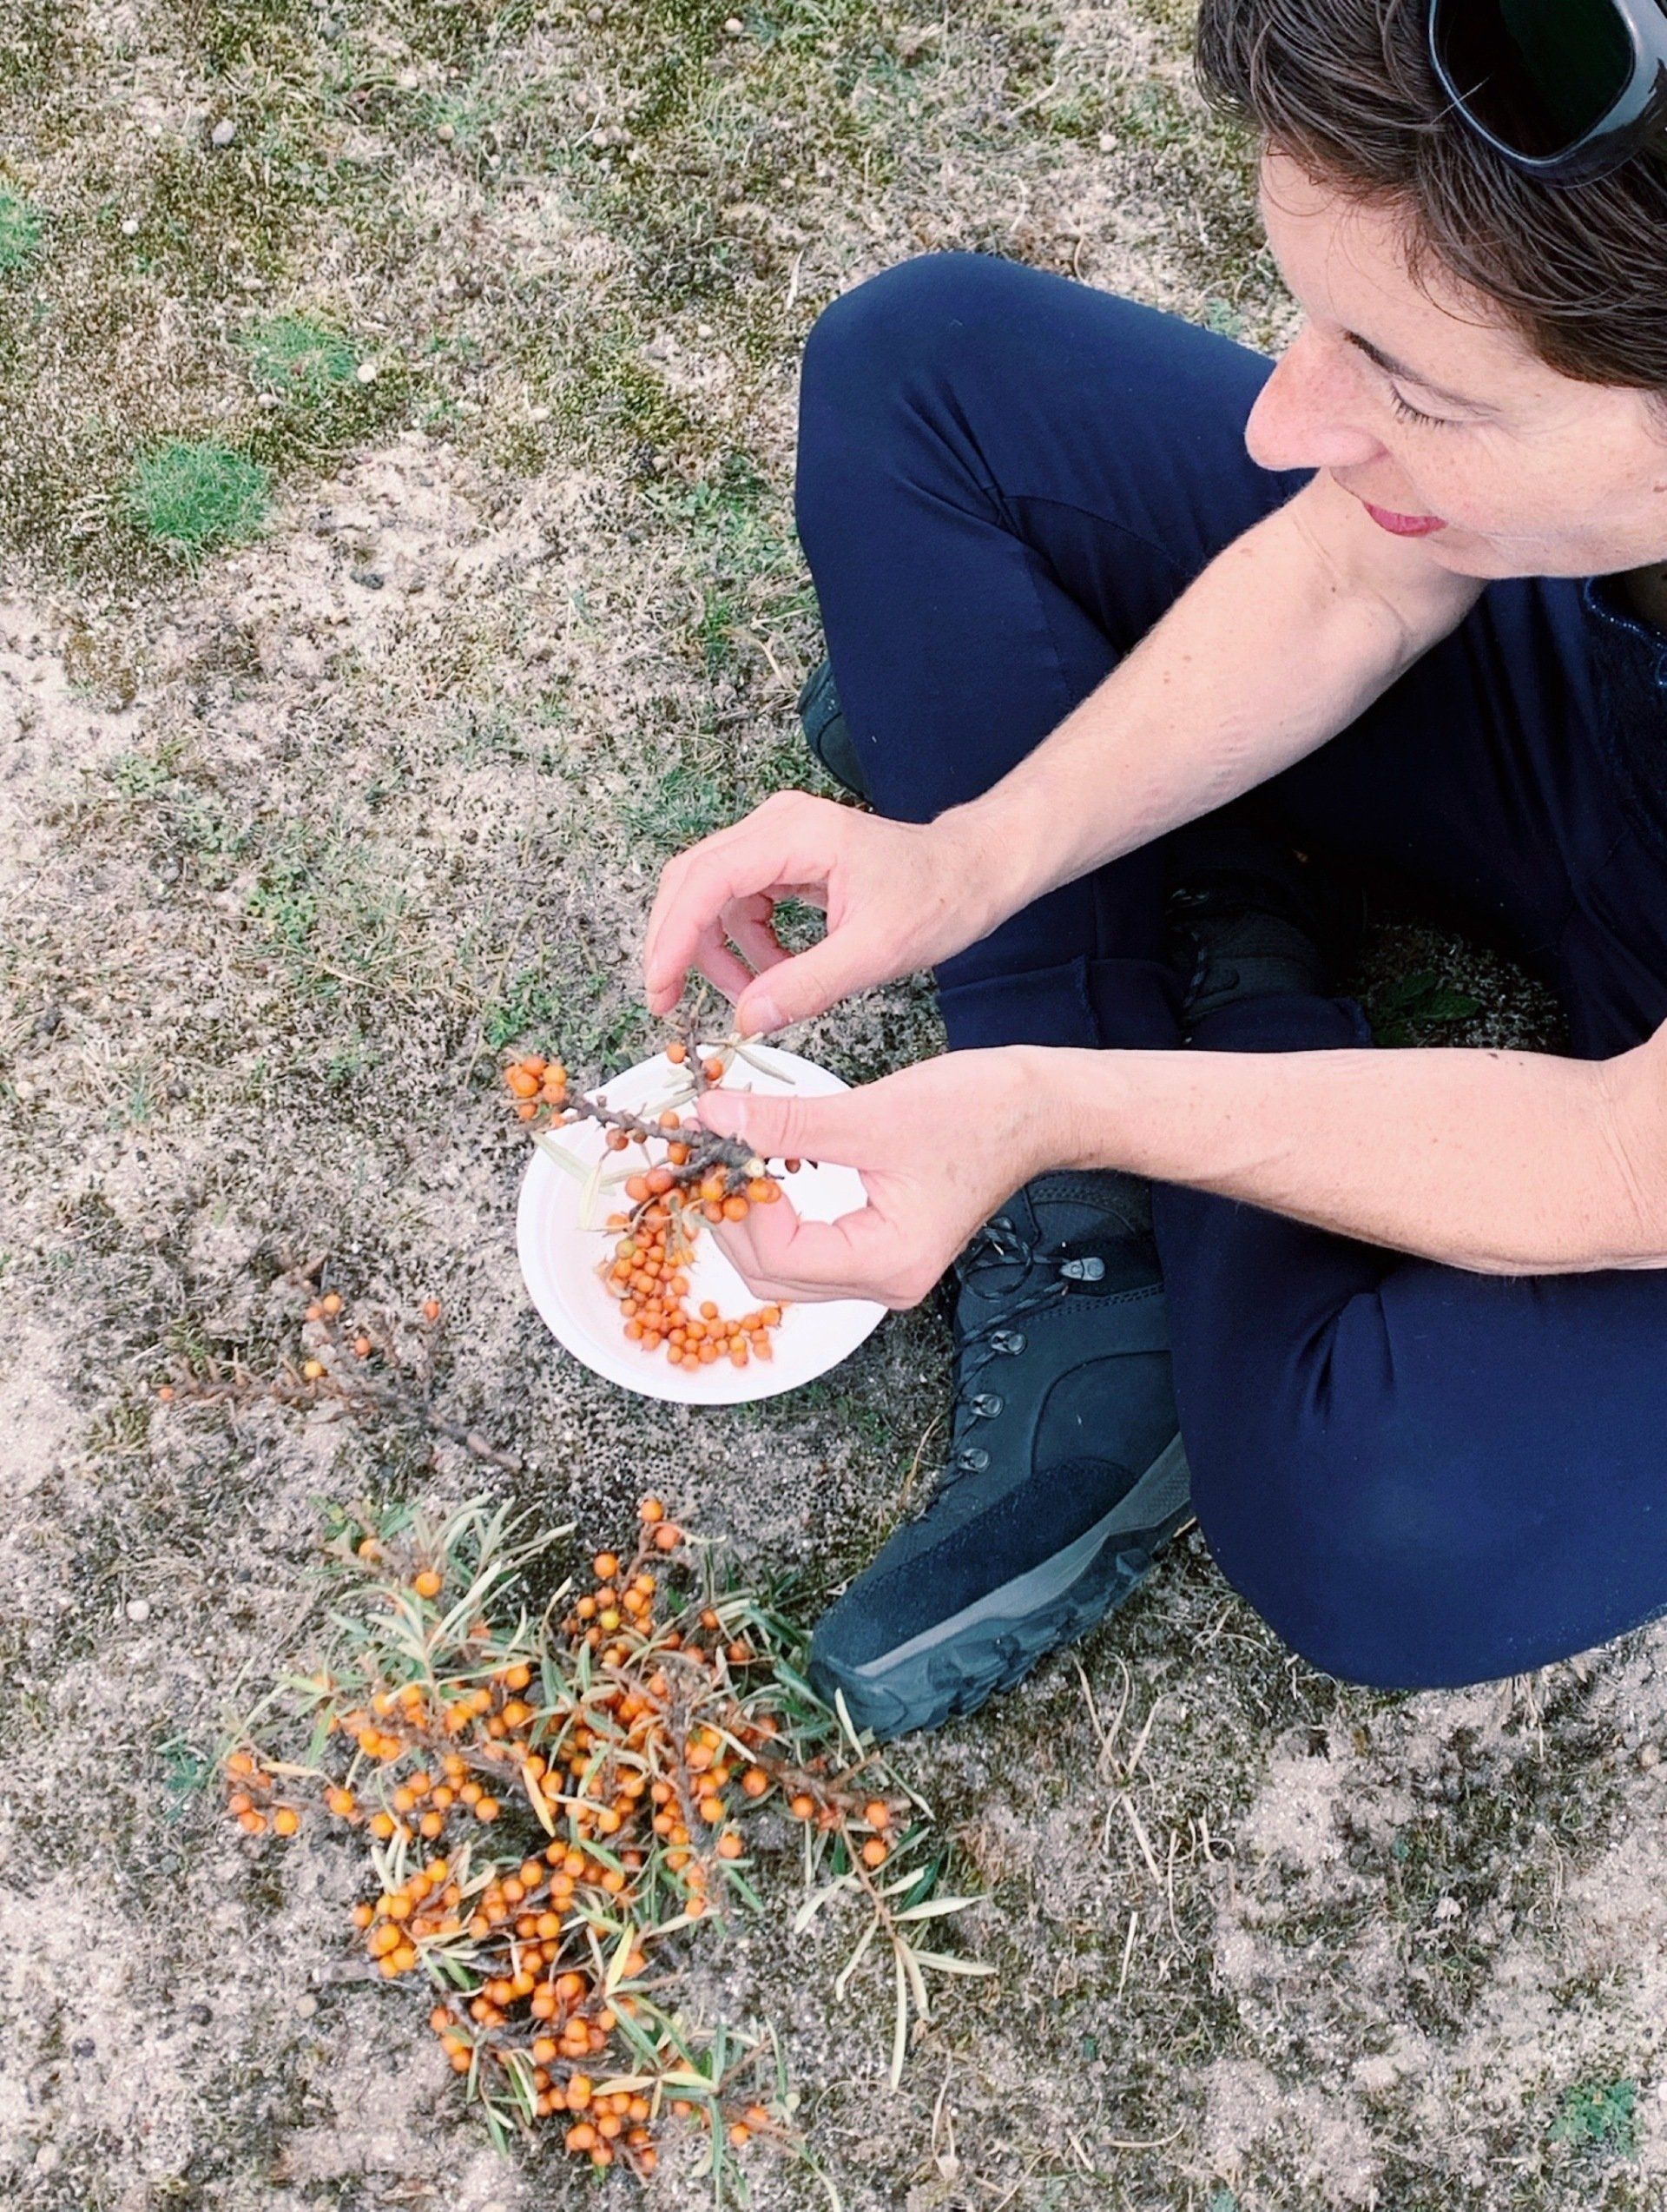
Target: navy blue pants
column 1419, row 1476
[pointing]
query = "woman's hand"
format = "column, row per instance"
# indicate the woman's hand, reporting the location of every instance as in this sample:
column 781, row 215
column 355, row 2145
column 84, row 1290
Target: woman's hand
column 899, row 896
column 939, row 1147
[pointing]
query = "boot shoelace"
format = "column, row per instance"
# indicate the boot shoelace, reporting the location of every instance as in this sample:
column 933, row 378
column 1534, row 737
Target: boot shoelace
column 998, row 1244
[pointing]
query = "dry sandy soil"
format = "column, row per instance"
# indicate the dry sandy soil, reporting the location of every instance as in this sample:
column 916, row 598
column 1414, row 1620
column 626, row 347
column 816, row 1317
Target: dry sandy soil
column 295, row 836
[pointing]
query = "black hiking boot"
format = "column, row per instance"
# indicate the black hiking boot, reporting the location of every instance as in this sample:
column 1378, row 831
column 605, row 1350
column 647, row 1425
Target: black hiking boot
column 1250, row 917
column 825, row 733
column 1065, row 1471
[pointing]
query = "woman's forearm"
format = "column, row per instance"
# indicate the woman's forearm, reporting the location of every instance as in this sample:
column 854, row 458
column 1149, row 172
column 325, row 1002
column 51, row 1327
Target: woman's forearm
column 1285, row 639
column 1504, row 1163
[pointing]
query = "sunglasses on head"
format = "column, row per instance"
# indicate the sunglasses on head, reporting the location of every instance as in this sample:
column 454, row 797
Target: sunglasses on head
column 1564, row 88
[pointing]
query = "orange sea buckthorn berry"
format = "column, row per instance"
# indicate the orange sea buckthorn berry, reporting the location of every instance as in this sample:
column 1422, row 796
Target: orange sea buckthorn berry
column 427, row 1583
column 803, row 1806
column 522, row 1080
column 873, row 1853
column 739, row 2133
column 312, row 1369
column 877, row 1813
column 488, row 1809
column 604, row 1566
column 729, row 1845
column 431, row 1309
column 754, row 1781
column 331, row 1302
column 286, row 1821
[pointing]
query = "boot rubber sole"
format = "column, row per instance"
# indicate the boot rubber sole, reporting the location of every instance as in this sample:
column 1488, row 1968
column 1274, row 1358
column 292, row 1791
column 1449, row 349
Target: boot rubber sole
column 955, row 1665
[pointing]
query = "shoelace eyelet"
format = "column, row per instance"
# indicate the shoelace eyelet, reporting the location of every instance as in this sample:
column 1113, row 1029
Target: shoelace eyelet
column 1081, row 1270
column 972, row 1458
column 985, row 1406
column 1011, row 1341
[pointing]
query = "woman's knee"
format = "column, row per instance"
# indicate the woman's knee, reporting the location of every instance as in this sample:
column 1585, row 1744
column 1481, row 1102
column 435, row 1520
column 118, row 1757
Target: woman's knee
column 903, row 315
column 1357, row 1549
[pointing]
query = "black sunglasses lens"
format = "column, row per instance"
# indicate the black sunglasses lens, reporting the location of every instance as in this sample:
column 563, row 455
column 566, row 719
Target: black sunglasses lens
column 1538, row 74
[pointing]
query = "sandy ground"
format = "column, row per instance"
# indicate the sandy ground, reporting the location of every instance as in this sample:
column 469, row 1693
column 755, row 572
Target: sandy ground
column 294, row 841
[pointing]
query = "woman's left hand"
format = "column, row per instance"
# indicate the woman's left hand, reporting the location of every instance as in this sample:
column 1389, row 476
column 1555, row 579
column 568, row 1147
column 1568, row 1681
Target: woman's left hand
column 939, row 1147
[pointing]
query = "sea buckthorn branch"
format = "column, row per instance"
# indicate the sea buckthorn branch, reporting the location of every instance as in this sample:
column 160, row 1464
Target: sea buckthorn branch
column 333, row 1367
column 690, row 1177
column 552, row 1800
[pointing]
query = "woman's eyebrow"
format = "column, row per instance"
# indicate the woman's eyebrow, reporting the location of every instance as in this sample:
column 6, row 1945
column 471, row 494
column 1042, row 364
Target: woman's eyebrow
column 1391, row 366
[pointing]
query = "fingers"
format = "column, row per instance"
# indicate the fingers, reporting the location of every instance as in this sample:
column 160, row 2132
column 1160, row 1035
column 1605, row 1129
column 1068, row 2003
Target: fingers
column 746, row 924
column 792, row 1128
column 791, row 838
column 860, row 1256
column 720, row 968
column 807, row 983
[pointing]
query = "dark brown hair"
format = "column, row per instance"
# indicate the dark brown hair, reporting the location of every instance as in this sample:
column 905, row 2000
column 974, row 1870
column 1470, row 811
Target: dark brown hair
column 1346, row 88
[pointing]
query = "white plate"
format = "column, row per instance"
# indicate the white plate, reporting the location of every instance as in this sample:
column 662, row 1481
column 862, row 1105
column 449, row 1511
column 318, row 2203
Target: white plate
column 559, row 1259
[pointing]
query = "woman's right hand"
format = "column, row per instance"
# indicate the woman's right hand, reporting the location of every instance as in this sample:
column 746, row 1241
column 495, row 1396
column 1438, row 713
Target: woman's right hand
column 898, row 896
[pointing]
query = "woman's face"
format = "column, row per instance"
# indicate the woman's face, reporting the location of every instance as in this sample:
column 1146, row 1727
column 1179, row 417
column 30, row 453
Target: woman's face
column 1438, row 417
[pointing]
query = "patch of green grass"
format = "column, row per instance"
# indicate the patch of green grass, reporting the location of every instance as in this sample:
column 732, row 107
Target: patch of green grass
column 297, row 359
column 681, row 806
column 20, row 230
column 1403, row 1011
column 187, row 1771
column 595, row 1020
column 1598, row 2117
column 191, row 495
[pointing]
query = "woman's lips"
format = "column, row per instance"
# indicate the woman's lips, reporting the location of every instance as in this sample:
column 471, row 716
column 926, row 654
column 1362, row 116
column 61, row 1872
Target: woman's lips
column 1403, row 526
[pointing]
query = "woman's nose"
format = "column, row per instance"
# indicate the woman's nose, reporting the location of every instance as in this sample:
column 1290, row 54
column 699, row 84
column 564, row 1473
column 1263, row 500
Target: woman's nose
column 1305, row 415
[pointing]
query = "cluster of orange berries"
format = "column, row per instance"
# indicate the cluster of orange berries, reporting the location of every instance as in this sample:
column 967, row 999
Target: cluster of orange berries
column 636, row 1744
column 648, row 1274
column 647, row 1270
column 256, row 1801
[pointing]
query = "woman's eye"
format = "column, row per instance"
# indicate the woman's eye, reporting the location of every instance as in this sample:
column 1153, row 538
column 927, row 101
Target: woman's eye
column 1406, row 413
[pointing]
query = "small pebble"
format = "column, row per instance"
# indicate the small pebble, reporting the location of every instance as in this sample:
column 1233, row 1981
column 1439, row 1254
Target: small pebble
column 368, row 577
column 538, row 414
column 223, row 132
column 83, row 2046
column 46, row 2158
column 445, row 133
column 366, row 371
column 407, row 80
column 703, row 330
column 139, row 1609
column 129, row 225
column 306, row 2006
column 734, row 25
column 1648, row 1756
